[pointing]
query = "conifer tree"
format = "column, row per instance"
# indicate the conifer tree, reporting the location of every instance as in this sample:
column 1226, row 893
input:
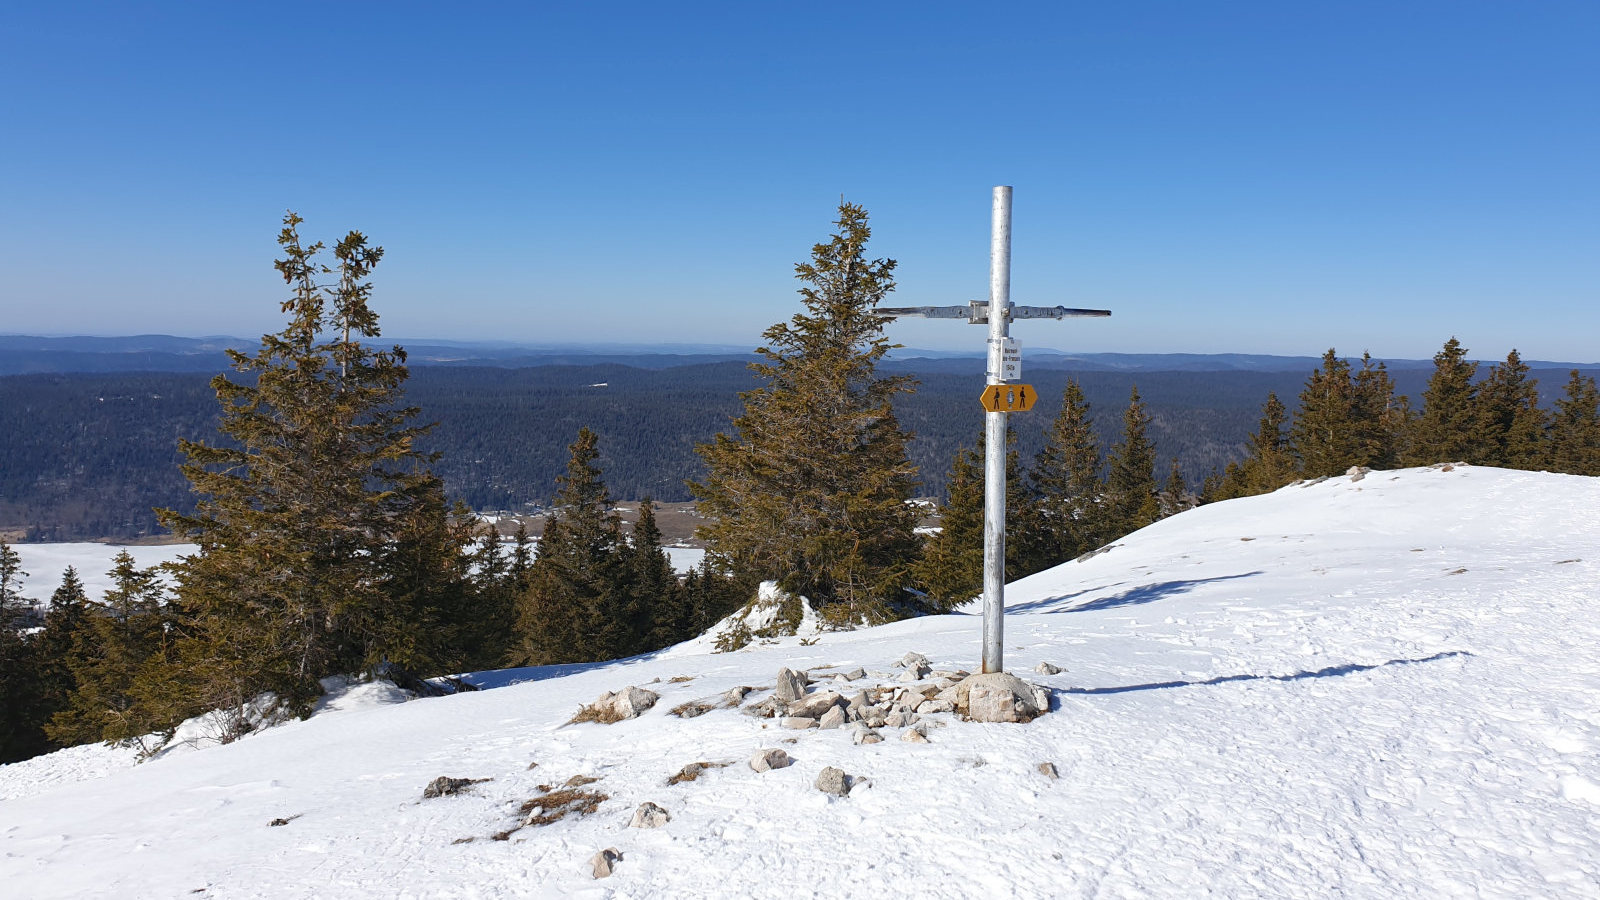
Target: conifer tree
column 950, row 571
column 1510, row 426
column 494, row 589
column 1067, row 487
column 64, row 638
column 1446, row 429
column 1174, row 497
column 1323, row 433
column 575, row 607
column 127, row 639
column 1379, row 420
column 1347, row 418
column 811, row 490
column 1270, row 463
column 19, row 684
column 1130, row 497
column 311, row 505
column 660, row 612
column 1574, row 443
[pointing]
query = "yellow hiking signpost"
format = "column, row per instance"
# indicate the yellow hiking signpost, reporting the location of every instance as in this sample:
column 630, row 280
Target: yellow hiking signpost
column 1009, row 397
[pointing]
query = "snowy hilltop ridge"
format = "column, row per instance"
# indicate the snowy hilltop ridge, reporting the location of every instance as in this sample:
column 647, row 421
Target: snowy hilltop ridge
column 1375, row 685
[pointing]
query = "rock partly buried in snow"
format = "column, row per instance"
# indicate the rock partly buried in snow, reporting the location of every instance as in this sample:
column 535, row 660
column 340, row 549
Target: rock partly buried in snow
column 798, row 723
column 649, row 815
column 1048, row 770
column 997, row 697
column 610, row 707
column 833, row 781
column 915, row 735
column 912, row 660
column 866, row 736
column 445, row 786
column 767, row 760
column 855, row 674
column 604, row 862
column 1045, row 668
column 791, row 685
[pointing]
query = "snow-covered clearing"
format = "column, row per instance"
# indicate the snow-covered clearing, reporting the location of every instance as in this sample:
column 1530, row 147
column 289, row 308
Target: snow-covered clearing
column 44, row 563
column 1375, row 688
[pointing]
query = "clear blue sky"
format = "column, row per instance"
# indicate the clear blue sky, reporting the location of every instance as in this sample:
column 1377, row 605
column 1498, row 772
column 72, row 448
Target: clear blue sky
column 1257, row 177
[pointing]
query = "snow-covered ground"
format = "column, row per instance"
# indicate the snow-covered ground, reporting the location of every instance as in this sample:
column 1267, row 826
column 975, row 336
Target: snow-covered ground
column 1376, row 688
column 44, row 563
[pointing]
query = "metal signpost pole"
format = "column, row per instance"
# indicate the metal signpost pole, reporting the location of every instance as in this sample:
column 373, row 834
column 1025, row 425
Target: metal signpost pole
column 994, row 450
column 999, row 397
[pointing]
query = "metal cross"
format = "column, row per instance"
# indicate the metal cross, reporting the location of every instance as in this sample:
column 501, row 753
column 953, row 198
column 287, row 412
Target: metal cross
column 994, row 457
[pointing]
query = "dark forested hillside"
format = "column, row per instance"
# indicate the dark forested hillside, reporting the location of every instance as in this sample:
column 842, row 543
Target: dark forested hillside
column 88, row 455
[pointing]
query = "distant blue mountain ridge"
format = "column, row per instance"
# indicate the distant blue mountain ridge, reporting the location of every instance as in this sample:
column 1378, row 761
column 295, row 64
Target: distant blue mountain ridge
column 32, row 354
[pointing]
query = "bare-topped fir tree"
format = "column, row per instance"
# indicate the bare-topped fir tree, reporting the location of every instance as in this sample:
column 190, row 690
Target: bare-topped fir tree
column 811, row 488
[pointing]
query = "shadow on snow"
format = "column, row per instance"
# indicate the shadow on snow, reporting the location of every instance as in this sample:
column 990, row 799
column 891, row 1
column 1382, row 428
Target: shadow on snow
column 1329, row 672
column 1145, row 593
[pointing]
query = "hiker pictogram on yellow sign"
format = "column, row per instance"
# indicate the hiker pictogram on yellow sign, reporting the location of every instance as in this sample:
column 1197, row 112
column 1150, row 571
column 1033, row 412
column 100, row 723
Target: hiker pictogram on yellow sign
column 1009, row 397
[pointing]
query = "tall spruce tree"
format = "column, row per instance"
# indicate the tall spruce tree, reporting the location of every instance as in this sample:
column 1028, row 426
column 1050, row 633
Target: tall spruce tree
column 1131, row 495
column 1574, row 432
column 113, row 661
column 811, row 491
column 1510, row 423
column 64, row 638
column 313, row 508
column 576, row 605
column 18, row 678
column 1380, row 421
column 950, row 571
column 1323, row 434
column 660, row 611
column 1347, row 418
column 1067, row 487
column 1270, row 463
column 1446, row 430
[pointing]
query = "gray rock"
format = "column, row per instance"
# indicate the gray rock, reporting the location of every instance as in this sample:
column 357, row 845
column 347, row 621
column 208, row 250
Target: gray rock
column 815, row 705
column 900, row 718
column 840, row 679
column 875, row 720
column 913, row 661
column 866, row 736
column 649, row 815
column 763, row 709
column 604, row 862
column 859, row 701
column 833, row 781
column 928, row 707
column 445, row 786
column 630, row 702
column 767, row 760
column 855, row 674
column 833, row 718
column 797, row 723
column 791, row 686
column 914, row 736
column 1045, row 668
column 997, row 697
column 735, row 696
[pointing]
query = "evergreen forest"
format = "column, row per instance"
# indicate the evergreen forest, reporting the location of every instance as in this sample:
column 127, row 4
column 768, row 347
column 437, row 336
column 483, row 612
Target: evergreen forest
column 329, row 490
